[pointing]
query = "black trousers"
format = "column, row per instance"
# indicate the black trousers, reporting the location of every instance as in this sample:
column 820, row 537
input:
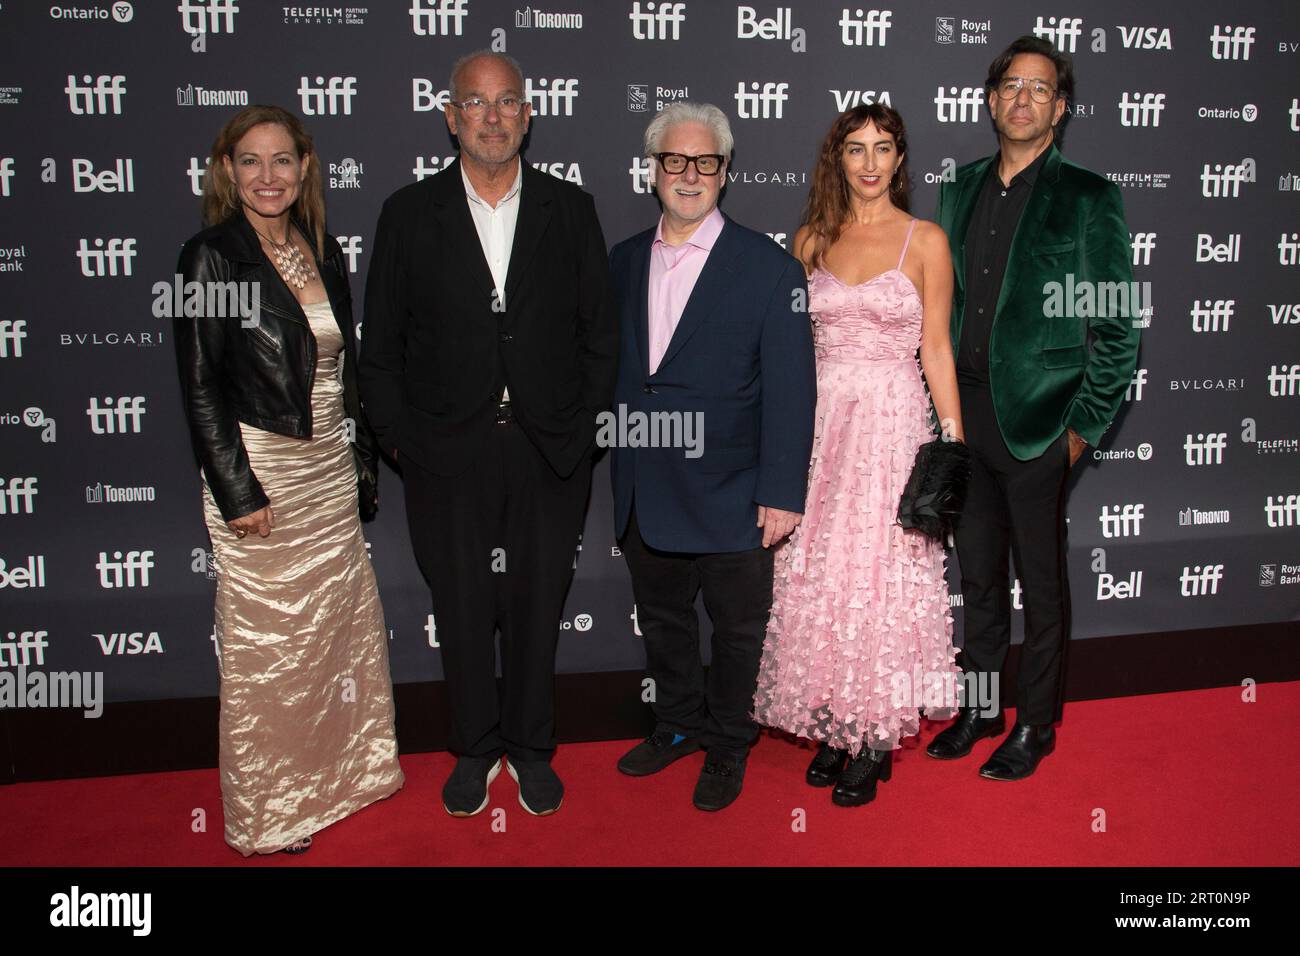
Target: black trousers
column 1016, row 506
column 737, row 590
column 496, row 545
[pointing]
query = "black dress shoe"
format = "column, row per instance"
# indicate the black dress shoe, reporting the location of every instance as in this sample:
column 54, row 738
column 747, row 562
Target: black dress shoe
column 1017, row 756
column 826, row 767
column 656, row 752
column 719, row 782
column 858, row 782
column 957, row 740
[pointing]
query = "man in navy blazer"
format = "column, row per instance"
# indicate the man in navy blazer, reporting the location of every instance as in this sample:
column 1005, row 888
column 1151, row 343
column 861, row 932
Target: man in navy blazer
column 716, row 397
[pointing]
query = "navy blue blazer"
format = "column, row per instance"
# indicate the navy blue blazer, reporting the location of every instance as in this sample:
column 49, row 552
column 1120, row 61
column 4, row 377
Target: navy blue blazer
column 741, row 357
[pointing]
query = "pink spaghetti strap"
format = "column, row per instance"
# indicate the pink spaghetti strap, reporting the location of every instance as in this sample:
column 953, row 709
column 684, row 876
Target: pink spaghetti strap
column 906, row 243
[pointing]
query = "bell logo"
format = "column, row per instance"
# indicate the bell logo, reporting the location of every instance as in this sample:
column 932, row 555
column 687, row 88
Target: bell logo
column 1108, row 587
column 1205, row 449
column 1207, row 250
column 116, row 419
column 1143, row 109
column 1284, row 512
column 548, row 100
column 104, row 260
column 324, row 98
column 438, row 18
column 1121, row 521
column 123, row 572
column 766, row 103
column 1212, row 315
column 21, row 576
column 1283, row 380
column 1200, row 580
column 425, row 99
column 864, row 30
column 12, row 333
column 658, row 21
column 207, row 16
column 1231, row 43
column 119, row 179
column 1063, row 32
column 100, row 95
column 421, row 170
column 958, row 106
column 17, row 496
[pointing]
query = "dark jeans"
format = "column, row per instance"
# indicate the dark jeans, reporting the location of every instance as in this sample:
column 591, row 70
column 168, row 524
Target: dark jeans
column 737, row 590
column 496, row 545
column 1018, row 507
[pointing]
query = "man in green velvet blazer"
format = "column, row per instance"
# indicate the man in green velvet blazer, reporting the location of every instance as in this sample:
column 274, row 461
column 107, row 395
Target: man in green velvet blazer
column 1044, row 327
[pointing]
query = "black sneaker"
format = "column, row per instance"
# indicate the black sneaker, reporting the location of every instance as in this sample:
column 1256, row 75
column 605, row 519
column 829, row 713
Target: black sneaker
column 466, row 791
column 656, row 752
column 540, row 791
column 719, row 782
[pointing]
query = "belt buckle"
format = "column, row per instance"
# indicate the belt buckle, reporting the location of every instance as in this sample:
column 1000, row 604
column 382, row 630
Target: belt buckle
column 505, row 414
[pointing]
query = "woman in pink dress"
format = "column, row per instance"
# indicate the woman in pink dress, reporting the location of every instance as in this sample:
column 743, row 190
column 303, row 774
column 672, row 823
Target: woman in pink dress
column 860, row 637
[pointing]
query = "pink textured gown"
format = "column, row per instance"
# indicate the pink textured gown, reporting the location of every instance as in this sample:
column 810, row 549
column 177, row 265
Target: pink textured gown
column 860, row 636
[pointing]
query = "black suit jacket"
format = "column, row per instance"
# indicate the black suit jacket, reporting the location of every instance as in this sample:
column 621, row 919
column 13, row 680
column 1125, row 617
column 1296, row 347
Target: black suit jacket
column 436, row 351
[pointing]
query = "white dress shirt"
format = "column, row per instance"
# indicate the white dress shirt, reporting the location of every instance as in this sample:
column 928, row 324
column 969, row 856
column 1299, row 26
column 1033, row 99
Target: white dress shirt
column 496, row 231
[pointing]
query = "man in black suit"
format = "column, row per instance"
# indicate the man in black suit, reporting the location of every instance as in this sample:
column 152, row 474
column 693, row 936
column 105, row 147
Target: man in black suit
column 490, row 347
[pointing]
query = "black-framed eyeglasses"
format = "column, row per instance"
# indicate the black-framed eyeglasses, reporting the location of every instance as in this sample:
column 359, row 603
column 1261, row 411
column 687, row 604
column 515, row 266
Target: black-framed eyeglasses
column 1040, row 92
column 476, row 107
column 706, row 164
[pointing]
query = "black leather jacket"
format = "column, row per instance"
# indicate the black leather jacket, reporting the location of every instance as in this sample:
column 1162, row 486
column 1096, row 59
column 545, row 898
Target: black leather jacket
column 235, row 370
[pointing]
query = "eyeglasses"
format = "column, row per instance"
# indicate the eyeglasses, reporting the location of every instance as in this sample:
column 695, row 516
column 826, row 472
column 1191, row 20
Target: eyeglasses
column 706, row 164
column 508, row 107
column 1039, row 91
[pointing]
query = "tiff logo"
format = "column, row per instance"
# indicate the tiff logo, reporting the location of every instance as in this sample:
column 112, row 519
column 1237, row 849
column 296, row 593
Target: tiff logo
column 1144, row 243
column 438, row 18
column 1121, row 522
column 351, row 246
column 207, row 16
column 1143, row 109
column 548, row 101
column 868, row 30
column 116, row 419
column 1288, row 249
column 1283, row 380
column 121, row 572
column 12, row 331
column 1200, row 580
column 1231, row 43
column 1205, row 449
column 1294, row 114
column 323, row 99
column 17, row 650
column 6, row 174
column 17, row 496
column 196, row 174
column 1226, row 179
column 1134, row 391
column 767, row 103
column 100, row 95
column 421, row 170
column 1284, row 512
column 640, row 173
column 655, row 24
column 1212, row 315
column 100, row 261
column 958, row 107
column 1063, row 32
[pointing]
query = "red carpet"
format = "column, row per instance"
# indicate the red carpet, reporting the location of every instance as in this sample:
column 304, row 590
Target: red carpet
column 1197, row 778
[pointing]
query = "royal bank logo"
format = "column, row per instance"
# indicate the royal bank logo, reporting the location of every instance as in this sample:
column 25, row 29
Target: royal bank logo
column 191, row 95
column 1062, row 32
column 551, row 97
column 1140, row 180
column 657, row 21
column 438, row 18
column 1231, row 43
column 12, row 258
column 96, row 95
column 847, row 99
column 860, row 27
column 1146, row 38
column 434, row 164
column 345, row 174
column 958, row 105
column 749, row 26
column 950, row 30
column 638, row 98
column 1141, row 109
column 102, row 258
column 1268, row 574
column 530, row 18
column 327, row 96
column 120, row 178
column 128, row 569
column 120, row 12
column 1225, row 179
column 12, row 334
column 116, row 416
column 18, row 496
column 1212, row 315
column 761, row 100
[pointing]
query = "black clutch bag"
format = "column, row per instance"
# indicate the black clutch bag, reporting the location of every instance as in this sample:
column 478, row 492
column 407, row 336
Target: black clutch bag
column 367, row 489
column 936, row 489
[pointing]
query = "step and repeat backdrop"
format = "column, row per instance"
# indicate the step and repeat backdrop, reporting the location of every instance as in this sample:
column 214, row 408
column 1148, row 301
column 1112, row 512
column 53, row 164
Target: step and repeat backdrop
column 1187, row 517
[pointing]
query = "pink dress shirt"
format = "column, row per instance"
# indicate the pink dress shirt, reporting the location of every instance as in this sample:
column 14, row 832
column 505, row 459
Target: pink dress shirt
column 673, row 273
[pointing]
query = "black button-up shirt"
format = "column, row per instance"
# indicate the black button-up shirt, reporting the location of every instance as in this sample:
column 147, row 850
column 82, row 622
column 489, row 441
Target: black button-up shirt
column 988, row 246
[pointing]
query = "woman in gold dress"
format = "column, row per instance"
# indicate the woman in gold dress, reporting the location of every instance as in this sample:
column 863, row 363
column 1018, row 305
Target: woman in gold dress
column 268, row 373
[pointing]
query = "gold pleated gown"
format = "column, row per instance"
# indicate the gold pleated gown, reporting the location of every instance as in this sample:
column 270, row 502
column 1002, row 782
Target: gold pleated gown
column 306, row 697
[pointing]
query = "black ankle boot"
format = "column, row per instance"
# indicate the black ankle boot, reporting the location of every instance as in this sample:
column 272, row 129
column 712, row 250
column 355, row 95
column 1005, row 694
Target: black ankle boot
column 857, row 784
column 826, row 767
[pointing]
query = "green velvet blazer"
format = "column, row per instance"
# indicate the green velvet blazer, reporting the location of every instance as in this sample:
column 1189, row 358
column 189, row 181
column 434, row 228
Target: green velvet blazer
column 1065, row 334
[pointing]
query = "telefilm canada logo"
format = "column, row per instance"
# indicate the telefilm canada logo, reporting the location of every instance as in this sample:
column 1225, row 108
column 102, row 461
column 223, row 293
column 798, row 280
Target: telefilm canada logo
column 330, row 16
